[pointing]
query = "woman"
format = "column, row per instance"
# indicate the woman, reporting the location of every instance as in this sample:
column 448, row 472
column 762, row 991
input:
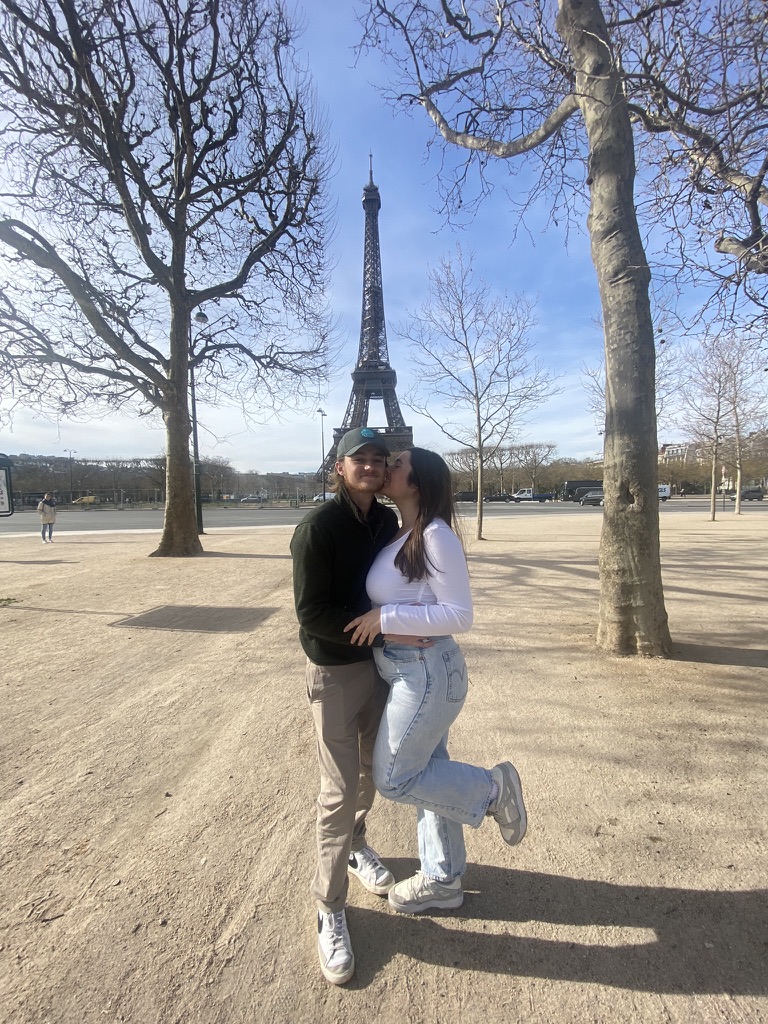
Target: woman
column 47, row 510
column 419, row 586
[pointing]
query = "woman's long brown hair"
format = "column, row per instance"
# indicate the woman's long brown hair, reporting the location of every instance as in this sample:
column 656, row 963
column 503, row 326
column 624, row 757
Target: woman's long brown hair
column 431, row 475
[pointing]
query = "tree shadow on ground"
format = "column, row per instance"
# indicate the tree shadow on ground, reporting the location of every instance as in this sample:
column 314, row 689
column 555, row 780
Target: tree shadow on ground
column 709, row 654
column 38, row 561
column 240, row 554
column 701, row 942
column 199, row 619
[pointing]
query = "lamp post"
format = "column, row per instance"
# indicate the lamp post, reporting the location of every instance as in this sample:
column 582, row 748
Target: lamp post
column 200, row 318
column 70, row 452
column 322, row 414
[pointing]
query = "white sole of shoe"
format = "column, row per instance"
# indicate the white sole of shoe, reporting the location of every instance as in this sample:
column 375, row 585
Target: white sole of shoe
column 416, row 908
column 338, row 979
column 377, row 890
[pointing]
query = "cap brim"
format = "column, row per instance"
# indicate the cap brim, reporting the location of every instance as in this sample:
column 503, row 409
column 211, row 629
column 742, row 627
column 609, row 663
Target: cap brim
column 367, row 444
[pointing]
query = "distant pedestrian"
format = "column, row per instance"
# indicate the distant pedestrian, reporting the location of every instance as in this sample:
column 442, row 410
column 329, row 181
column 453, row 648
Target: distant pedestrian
column 682, row 492
column 47, row 511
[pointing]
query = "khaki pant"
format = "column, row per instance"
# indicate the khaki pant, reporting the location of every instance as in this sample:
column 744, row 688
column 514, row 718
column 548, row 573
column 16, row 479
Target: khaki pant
column 347, row 702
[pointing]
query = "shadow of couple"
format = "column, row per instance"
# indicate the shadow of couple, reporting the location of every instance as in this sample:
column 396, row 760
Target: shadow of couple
column 569, row 929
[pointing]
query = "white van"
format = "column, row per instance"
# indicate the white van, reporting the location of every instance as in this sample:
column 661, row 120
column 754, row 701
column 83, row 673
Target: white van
column 665, row 491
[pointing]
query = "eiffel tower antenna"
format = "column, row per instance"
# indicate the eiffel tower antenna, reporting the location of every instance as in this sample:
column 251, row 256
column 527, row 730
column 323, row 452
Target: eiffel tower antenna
column 373, row 378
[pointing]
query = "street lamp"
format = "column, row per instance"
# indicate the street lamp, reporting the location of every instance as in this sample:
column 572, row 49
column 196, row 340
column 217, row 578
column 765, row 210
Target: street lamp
column 322, row 414
column 200, row 318
column 70, row 452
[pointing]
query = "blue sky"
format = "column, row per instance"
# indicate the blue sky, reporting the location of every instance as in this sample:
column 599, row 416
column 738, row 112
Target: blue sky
column 413, row 237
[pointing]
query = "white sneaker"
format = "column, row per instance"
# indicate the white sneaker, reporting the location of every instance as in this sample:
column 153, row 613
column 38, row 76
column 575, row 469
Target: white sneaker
column 367, row 866
column 334, row 947
column 421, row 893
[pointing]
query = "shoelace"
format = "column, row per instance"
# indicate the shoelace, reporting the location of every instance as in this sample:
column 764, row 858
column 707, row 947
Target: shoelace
column 367, row 854
column 415, row 883
column 337, row 933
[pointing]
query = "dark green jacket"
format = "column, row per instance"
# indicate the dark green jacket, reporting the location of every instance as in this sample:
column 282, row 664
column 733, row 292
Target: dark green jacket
column 333, row 549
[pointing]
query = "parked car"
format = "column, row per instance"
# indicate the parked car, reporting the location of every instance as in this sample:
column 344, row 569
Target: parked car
column 750, row 494
column 252, row 498
column 498, row 497
column 88, row 499
column 592, row 498
column 528, row 494
column 465, row 496
column 320, row 497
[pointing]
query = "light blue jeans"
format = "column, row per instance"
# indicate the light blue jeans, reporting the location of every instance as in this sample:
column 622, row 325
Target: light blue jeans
column 411, row 763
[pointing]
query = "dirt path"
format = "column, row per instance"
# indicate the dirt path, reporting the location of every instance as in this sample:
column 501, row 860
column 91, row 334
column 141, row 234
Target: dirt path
column 158, row 780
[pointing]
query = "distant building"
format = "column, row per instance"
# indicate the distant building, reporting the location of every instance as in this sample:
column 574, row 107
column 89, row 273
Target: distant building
column 678, row 452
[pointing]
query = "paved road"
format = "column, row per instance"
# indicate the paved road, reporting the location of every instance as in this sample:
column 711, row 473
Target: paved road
column 97, row 520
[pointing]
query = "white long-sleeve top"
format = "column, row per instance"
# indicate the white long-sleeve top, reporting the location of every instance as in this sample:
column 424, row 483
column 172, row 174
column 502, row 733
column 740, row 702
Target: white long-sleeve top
column 437, row 605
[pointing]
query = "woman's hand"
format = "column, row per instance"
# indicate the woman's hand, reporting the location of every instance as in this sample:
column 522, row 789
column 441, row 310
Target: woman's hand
column 366, row 627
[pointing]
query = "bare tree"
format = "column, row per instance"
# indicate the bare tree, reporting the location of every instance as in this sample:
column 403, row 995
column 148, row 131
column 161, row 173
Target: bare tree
column 154, row 477
column 118, row 471
column 504, row 80
column 694, row 73
column 463, row 463
column 747, row 398
column 531, row 458
column 218, row 476
column 707, row 400
column 476, row 372
column 158, row 158
column 666, row 390
column 501, row 461
column 723, row 392
column 756, row 457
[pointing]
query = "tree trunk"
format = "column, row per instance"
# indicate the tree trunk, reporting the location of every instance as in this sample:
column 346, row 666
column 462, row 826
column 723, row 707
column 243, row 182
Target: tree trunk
column 632, row 619
column 480, row 485
column 739, row 473
column 180, row 538
column 713, row 488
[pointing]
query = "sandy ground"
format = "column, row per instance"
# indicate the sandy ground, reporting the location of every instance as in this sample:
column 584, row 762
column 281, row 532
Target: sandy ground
column 157, row 783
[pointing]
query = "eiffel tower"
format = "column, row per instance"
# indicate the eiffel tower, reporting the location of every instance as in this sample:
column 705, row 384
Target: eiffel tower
column 373, row 377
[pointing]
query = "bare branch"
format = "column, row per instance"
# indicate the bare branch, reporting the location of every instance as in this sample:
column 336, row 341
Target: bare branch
column 158, row 157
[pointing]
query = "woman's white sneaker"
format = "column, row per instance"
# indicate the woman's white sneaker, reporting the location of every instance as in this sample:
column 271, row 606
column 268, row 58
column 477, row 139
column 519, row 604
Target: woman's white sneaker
column 421, row 893
column 334, row 947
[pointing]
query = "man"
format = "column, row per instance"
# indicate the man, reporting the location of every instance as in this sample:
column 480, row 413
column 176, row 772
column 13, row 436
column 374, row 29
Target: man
column 333, row 548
